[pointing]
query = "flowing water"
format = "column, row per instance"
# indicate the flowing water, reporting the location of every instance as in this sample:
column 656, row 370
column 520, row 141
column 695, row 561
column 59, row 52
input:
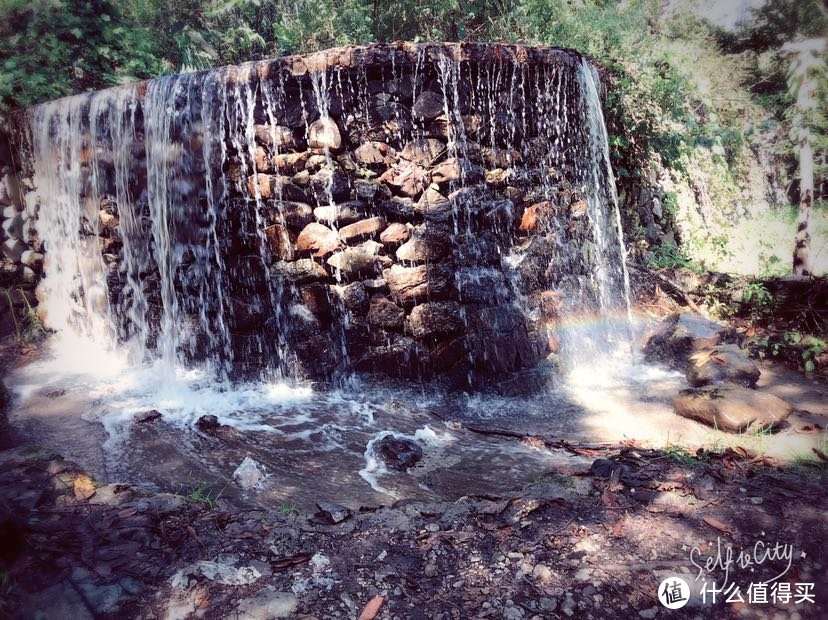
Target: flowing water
column 149, row 311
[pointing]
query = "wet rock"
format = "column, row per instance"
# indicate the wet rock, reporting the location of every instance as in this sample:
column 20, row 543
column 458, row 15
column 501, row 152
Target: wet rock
column 386, row 314
column 361, row 260
column 578, row 208
column 147, row 416
column 333, row 513
column 482, row 285
column 407, row 178
column 454, row 169
column 275, row 136
column 324, row 133
column 398, row 453
column 279, row 243
column 434, row 206
column 403, row 357
column 435, row 319
column 426, row 244
column 275, row 186
column 295, row 215
column 290, row 163
column 355, row 297
column 13, row 249
column 607, row 468
column 373, row 154
column 423, row 152
column 249, row 474
column 207, row 423
column 428, row 106
column 362, row 229
column 32, row 260
column 367, row 189
column 725, row 363
column 247, row 272
column 411, row 284
column 341, row 214
column 680, row 335
column 731, row 407
column 535, row 216
column 13, row 226
column 499, row 340
column 398, row 208
column 395, row 234
column 316, row 298
column 300, row 271
column 331, row 184
column 318, row 240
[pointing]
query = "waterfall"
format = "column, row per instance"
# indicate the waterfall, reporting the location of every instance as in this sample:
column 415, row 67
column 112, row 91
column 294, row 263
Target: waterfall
column 611, row 268
column 178, row 215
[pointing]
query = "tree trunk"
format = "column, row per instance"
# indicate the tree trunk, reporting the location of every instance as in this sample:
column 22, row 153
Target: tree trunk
column 802, row 241
column 804, row 58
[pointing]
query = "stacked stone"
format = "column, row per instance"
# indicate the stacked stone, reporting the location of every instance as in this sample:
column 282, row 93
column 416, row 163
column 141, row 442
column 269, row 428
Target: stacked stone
column 393, row 238
column 21, row 261
column 368, row 231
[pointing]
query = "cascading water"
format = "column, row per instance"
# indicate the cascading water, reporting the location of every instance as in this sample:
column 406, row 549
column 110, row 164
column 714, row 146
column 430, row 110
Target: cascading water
column 150, row 230
column 435, row 211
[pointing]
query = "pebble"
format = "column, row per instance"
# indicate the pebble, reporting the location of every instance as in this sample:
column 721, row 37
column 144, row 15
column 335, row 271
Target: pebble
column 432, row 527
column 648, row 613
column 549, row 604
column 512, row 613
column 568, row 606
column 267, row 604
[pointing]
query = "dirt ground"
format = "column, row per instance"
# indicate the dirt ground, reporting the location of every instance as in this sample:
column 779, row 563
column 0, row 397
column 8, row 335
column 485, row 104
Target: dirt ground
column 593, row 546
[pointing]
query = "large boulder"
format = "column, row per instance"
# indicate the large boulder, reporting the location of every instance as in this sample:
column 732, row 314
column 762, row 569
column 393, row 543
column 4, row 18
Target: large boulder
column 682, row 334
column 731, row 408
column 723, row 364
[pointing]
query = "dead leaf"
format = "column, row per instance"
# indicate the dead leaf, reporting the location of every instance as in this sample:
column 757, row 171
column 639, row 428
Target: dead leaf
column 372, row 608
column 84, row 487
column 700, row 358
column 718, row 525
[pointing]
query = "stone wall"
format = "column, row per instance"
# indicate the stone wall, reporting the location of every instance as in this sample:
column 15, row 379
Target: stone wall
column 403, row 209
column 21, row 261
